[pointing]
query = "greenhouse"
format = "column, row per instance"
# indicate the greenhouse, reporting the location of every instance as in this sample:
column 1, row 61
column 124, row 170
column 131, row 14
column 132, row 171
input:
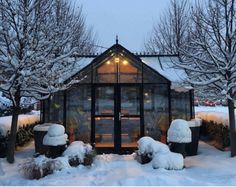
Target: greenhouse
column 121, row 96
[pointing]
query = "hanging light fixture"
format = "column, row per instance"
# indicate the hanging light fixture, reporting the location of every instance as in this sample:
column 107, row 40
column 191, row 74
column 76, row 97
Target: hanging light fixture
column 117, row 60
column 125, row 62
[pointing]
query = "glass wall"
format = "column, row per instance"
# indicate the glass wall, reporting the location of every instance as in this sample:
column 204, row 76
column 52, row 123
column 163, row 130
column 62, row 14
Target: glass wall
column 117, row 69
column 78, row 117
column 180, row 105
column 56, row 105
column 156, row 110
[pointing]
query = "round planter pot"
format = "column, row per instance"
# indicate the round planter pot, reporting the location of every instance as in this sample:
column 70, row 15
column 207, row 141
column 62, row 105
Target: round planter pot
column 178, row 148
column 55, row 151
column 39, row 132
column 192, row 148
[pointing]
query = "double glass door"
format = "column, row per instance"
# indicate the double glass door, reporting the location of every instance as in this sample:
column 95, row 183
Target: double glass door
column 117, row 116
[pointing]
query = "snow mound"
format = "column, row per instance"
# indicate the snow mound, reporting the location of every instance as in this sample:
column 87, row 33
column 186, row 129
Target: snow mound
column 179, row 132
column 56, row 130
column 170, row 161
column 217, row 117
column 55, row 141
column 148, row 145
column 55, row 136
column 42, row 127
column 77, row 149
column 23, row 120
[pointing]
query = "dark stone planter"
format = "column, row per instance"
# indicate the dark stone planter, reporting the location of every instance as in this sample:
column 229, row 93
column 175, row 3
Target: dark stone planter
column 55, row 151
column 39, row 132
column 191, row 148
column 3, row 147
column 178, row 148
column 38, row 141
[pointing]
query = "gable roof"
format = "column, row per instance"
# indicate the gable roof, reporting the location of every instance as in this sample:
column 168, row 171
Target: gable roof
column 160, row 64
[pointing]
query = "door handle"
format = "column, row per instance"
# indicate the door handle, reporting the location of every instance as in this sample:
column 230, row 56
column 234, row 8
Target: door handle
column 120, row 115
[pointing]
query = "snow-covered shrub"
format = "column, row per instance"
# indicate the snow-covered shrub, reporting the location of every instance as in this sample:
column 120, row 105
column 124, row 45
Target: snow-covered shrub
column 170, row 161
column 147, row 147
column 179, row 132
column 42, row 166
column 55, row 136
column 79, row 153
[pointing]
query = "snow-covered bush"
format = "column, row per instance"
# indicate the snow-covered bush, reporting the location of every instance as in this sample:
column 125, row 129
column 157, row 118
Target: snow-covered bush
column 41, row 166
column 168, row 161
column 79, row 153
column 147, row 147
column 55, row 136
column 179, row 132
column 158, row 153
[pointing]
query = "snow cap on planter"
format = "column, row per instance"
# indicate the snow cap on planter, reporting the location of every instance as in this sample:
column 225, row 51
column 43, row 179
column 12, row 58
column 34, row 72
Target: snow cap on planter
column 55, row 135
column 179, row 132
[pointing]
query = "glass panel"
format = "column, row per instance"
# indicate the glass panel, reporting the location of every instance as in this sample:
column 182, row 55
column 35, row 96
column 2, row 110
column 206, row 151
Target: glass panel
column 46, row 110
column 118, row 68
column 104, row 100
column 79, row 113
column 104, row 132
column 128, row 73
column 130, row 131
column 130, row 100
column 56, row 108
column 150, row 76
column 106, row 72
column 180, row 103
column 156, row 111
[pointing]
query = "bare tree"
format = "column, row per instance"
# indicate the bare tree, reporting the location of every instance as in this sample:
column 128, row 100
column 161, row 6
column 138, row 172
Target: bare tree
column 172, row 29
column 36, row 37
column 211, row 53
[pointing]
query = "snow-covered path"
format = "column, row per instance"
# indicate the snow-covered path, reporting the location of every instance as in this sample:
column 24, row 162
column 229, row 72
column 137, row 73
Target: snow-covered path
column 210, row 167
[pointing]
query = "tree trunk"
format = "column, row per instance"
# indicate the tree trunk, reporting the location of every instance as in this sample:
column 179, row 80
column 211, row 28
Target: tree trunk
column 12, row 138
column 232, row 127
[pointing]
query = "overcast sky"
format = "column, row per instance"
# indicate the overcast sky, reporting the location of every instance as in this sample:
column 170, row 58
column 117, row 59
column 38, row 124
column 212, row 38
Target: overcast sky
column 131, row 20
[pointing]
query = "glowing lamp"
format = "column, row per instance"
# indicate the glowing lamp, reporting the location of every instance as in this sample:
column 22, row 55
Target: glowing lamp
column 125, row 62
column 117, row 60
column 108, row 62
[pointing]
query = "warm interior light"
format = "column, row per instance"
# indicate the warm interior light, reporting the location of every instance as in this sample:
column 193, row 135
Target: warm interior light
column 125, row 62
column 117, row 60
column 108, row 62
column 146, row 94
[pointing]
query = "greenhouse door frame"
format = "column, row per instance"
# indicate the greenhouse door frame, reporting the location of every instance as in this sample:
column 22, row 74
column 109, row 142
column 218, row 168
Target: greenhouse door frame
column 117, row 116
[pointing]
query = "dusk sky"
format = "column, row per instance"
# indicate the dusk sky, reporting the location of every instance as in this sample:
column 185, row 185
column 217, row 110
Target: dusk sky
column 131, row 20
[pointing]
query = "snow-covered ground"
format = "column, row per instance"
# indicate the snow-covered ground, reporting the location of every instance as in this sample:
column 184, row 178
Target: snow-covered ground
column 23, row 119
column 218, row 114
column 210, row 167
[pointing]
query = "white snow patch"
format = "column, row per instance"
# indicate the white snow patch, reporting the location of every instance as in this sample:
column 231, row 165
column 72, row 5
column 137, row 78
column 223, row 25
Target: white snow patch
column 179, row 132
column 147, row 145
column 55, row 135
column 42, row 127
column 168, row 161
column 24, row 119
column 55, row 140
column 56, row 130
column 77, row 148
column 210, row 167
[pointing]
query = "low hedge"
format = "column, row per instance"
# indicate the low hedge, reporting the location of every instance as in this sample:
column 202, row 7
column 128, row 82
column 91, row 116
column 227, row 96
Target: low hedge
column 218, row 134
column 23, row 136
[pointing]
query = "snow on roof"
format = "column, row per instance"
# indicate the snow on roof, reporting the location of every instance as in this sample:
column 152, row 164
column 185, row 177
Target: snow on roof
column 79, row 63
column 165, row 66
